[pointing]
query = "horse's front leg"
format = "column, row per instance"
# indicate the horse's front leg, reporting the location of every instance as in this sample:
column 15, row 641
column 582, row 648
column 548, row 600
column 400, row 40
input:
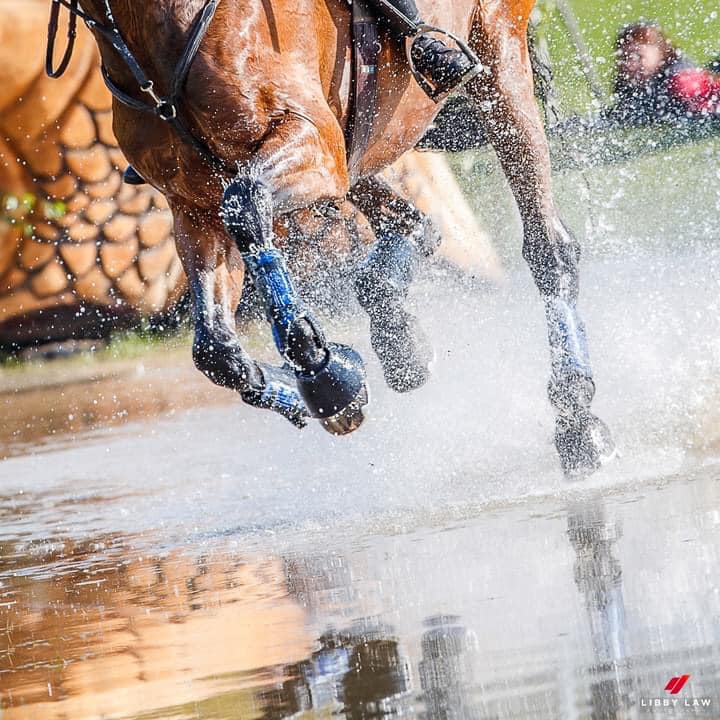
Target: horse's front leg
column 294, row 168
column 504, row 93
column 216, row 290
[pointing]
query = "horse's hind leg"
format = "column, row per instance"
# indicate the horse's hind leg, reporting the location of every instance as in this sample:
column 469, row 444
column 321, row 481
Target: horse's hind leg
column 404, row 238
column 504, row 93
column 216, row 290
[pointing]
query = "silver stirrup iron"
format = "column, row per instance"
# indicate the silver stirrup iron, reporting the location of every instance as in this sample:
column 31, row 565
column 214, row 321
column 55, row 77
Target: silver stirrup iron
column 424, row 29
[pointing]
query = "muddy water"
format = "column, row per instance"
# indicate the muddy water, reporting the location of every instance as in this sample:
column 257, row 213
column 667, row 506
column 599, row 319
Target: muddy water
column 166, row 553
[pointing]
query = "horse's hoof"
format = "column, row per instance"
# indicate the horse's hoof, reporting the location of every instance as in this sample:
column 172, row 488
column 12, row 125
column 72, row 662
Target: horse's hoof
column 405, row 352
column 331, row 389
column 349, row 419
column 584, row 445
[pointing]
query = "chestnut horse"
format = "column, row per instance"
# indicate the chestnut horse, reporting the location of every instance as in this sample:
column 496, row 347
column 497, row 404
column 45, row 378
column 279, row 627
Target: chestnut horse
column 255, row 127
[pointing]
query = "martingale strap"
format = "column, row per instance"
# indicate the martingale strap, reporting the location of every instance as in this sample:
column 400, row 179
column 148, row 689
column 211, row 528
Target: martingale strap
column 165, row 108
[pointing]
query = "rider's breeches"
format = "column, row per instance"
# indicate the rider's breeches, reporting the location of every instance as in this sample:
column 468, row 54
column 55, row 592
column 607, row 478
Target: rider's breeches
column 407, row 7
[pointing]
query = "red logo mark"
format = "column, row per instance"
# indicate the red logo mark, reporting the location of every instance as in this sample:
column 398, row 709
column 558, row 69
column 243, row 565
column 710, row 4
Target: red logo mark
column 676, row 684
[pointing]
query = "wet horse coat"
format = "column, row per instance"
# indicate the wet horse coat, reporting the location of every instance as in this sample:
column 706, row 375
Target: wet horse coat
column 268, row 91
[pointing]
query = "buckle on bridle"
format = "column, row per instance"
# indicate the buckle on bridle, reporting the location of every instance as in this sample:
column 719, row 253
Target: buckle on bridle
column 165, row 109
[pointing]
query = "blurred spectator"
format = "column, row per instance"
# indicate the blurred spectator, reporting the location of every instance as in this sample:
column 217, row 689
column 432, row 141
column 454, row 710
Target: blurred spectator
column 655, row 82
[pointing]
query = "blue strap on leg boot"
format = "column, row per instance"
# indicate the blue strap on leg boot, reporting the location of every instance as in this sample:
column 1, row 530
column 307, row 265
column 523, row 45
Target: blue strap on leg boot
column 583, row 441
column 279, row 394
column 330, row 377
column 283, row 307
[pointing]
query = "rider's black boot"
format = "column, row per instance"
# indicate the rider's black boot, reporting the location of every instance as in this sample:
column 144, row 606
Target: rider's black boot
column 446, row 69
column 442, row 69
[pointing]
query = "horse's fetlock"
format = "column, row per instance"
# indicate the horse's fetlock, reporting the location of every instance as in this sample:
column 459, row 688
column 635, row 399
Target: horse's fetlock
column 225, row 364
column 571, row 394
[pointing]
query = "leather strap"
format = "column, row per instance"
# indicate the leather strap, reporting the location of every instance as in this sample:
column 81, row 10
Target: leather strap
column 197, row 34
column 53, row 25
column 366, row 55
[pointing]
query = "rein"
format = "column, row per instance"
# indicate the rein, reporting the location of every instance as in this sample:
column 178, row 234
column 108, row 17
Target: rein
column 165, row 108
column 52, row 34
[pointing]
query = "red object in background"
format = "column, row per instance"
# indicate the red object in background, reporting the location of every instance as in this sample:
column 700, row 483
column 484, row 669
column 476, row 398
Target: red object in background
column 697, row 89
column 676, row 684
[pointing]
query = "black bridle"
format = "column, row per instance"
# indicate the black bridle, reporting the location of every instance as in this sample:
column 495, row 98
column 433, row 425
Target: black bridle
column 165, row 108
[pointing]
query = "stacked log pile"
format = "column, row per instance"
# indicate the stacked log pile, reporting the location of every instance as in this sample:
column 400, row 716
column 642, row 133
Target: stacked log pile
column 107, row 257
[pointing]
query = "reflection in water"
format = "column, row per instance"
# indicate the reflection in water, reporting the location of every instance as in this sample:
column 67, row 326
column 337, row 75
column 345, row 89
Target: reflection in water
column 357, row 674
column 378, row 676
column 449, row 669
column 598, row 576
column 413, row 625
column 100, row 631
column 360, row 673
column 320, row 583
column 312, row 683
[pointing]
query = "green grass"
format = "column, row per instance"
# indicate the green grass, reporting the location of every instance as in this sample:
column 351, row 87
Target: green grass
column 694, row 26
column 122, row 346
column 663, row 202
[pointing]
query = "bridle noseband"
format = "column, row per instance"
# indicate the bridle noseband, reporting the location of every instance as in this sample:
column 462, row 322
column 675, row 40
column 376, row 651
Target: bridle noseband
column 165, row 108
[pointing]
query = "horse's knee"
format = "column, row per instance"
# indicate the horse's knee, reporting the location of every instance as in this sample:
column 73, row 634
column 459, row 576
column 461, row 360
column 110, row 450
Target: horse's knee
column 404, row 236
column 247, row 212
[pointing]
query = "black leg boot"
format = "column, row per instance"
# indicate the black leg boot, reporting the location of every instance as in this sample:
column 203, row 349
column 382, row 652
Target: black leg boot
column 440, row 69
